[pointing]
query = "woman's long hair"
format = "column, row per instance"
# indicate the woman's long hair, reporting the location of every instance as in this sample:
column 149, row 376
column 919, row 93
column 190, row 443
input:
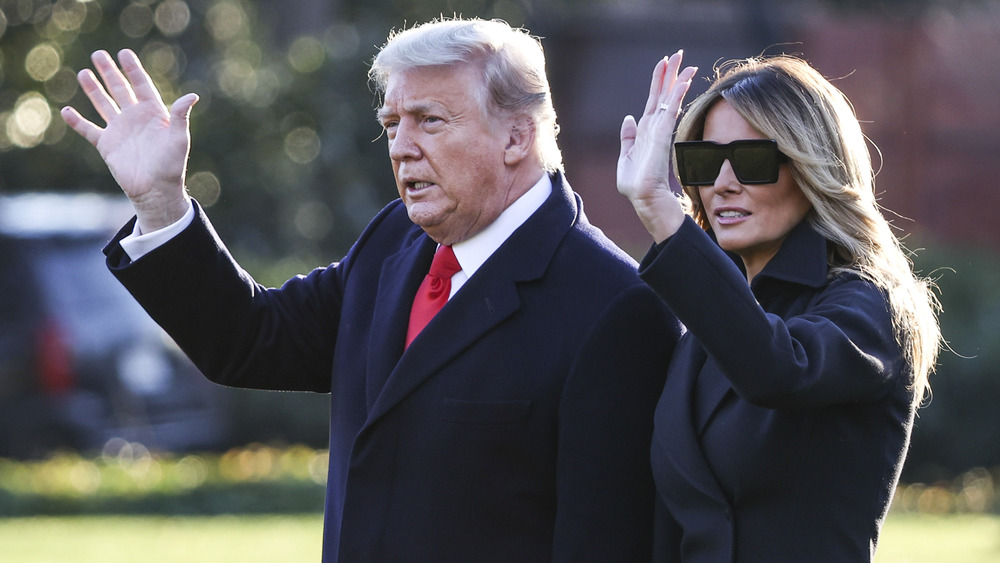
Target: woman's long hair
column 814, row 124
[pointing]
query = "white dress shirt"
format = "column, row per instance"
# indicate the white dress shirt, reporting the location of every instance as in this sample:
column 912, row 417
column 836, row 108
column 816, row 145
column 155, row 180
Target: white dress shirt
column 475, row 251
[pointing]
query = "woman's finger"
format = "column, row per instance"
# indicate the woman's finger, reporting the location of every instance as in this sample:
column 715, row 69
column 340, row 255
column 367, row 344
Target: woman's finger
column 655, row 86
column 627, row 135
column 669, row 78
column 679, row 90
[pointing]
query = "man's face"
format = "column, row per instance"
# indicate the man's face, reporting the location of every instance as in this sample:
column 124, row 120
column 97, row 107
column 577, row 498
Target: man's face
column 447, row 156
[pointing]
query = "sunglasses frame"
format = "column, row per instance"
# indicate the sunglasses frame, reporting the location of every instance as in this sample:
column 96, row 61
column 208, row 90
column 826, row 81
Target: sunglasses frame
column 728, row 151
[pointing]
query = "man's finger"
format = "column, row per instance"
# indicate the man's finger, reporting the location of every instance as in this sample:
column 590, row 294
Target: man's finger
column 180, row 111
column 142, row 85
column 76, row 122
column 99, row 98
column 113, row 79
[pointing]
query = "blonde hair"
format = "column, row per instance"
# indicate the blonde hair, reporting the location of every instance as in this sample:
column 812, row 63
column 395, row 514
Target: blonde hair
column 785, row 99
column 512, row 62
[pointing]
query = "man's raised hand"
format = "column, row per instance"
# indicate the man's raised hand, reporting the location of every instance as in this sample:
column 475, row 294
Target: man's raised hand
column 144, row 144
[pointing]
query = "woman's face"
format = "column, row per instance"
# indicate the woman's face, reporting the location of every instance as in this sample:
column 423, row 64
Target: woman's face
column 749, row 220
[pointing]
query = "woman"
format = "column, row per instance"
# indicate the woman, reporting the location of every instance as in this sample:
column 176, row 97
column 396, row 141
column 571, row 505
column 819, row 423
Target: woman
column 787, row 411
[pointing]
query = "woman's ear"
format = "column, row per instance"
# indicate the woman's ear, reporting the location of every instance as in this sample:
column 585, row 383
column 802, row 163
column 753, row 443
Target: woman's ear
column 521, row 142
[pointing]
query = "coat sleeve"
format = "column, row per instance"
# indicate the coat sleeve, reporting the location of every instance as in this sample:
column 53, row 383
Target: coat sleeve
column 840, row 349
column 604, row 484
column 236, row 331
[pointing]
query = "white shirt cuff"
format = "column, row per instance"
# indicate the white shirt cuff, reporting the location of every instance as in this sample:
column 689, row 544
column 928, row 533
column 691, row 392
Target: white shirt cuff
column 139, row 244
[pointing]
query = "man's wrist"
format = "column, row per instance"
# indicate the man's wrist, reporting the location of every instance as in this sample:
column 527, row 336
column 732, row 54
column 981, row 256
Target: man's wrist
column 153, row 216
column 140, row 242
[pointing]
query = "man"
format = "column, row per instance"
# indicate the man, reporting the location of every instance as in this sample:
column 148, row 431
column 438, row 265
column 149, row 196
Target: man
column 515, row 425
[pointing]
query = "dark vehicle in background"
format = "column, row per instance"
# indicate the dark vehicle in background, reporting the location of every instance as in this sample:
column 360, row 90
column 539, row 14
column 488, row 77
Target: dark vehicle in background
column 81, row 363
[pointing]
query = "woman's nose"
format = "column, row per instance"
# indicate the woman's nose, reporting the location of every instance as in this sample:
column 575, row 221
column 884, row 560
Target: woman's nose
column 726, row 180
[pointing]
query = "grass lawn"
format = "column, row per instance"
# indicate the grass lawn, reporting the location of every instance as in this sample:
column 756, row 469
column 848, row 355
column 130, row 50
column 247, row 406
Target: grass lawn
column 120, row 539
column 918, row 538
column 250, row 539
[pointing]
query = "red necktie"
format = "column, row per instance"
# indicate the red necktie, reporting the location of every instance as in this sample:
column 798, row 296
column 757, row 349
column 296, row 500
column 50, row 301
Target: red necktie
column 433, row 291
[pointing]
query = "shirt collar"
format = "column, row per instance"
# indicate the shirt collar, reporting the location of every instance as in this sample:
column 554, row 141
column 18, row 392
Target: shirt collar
column 476, row 250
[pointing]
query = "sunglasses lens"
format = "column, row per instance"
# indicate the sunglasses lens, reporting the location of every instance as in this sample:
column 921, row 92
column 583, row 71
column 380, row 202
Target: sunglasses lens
column 755, row 164
column 700, row 165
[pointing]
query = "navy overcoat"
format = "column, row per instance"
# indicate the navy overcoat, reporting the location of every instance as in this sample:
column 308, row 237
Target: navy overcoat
column 516, row 427
column 787, row 409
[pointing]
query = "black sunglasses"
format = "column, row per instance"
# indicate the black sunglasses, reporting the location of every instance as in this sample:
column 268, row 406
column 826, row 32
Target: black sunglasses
column 754, row 161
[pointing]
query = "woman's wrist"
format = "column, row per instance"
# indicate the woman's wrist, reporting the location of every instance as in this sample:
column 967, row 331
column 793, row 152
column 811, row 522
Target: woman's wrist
column 662, row 216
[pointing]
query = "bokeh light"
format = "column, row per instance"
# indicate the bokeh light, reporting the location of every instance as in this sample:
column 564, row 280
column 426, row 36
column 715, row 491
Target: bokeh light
column 136, row 20
column 190, row 472
column 69, row 15
column 172, row 17
column 302, row 145
column 43, row 61
column 62, row 86
column 306, row 54
column 31, row 117
column 313, row 220
column 94, row 16
column 163, row 60
column 204, row 187
column 227, row 20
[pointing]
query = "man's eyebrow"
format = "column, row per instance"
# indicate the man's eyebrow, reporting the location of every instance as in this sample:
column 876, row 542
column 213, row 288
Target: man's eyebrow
column 412, row 108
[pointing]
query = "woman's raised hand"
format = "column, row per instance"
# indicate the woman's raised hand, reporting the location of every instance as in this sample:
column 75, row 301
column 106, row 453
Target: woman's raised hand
column 644, row 165
column 144, row 144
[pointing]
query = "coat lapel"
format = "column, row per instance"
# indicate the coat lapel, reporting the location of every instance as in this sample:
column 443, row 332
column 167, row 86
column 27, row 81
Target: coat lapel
column 711, row 390
column 487, row 299
column 464, row 320
column 401, row 276
column 676, row 431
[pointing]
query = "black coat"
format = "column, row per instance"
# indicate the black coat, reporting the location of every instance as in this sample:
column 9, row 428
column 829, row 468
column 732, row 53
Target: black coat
column 786, row 413
column 516, row 427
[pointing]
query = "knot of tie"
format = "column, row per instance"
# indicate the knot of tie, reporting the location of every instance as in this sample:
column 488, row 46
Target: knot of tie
column 433, row 292
column 445, row 264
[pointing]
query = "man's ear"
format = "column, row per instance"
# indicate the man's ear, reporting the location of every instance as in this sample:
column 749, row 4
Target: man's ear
column 521, row 142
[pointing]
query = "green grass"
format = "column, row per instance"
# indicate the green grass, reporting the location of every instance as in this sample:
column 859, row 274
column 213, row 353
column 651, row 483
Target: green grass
column 150, row 539
column 906, row 538
column 923, row 538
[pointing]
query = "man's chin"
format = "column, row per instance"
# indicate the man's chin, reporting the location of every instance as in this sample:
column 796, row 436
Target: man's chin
column 421, row 217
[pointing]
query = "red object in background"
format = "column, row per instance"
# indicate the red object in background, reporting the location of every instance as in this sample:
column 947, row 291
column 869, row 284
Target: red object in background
column 55, row 361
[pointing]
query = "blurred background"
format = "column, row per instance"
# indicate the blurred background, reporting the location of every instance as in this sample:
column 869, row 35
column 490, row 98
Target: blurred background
column 288, row 160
